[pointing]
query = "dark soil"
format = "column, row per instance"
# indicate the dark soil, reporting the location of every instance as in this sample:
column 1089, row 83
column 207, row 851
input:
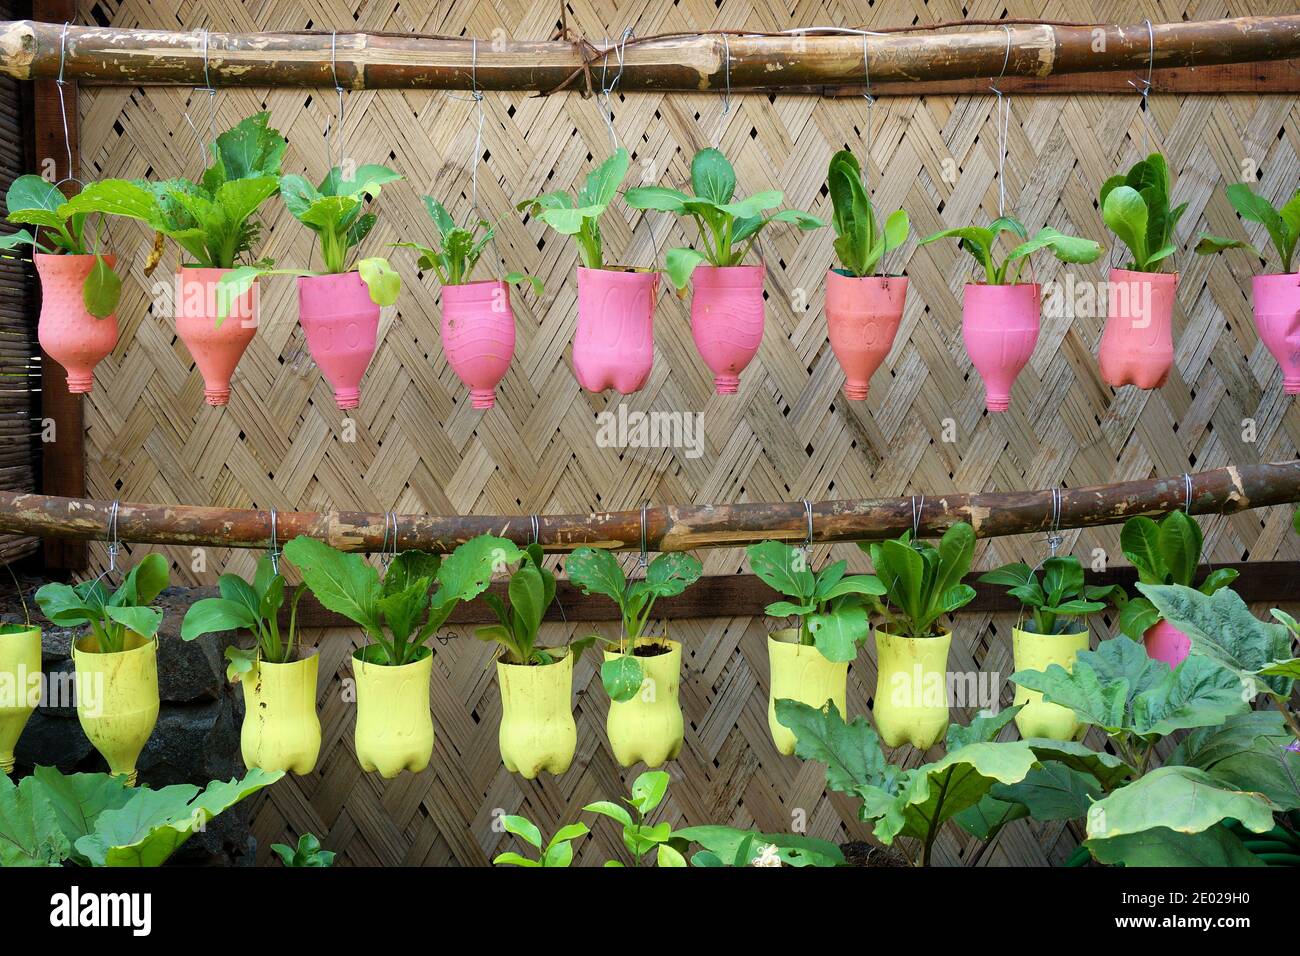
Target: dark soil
column 651, row 650
column 868, row 854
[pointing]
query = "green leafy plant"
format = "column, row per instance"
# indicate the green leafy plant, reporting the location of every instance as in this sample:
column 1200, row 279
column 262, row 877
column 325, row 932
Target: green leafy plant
column 1136, row 208
column 923, row 583
column 731, row 846
column 529, row 593
column 727, row 228
column 110, row 616
column 982, row 245
column 860, row 245
column 306, row 853
column 1164, row 553
column 832, row 609
column 580, row 216
column 400, row 612
column 1058, row 602
column 1283, row 225
column 459, row 249
column 557, row 852
column 640, row 838
column 32, row 201
column 95, row 819
column 252, row 606
column 212, row 219
column 597, row 571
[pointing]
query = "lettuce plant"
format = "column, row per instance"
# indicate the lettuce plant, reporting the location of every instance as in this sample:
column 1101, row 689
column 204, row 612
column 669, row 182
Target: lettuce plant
column 1283, row 225
column 110, row 616
column 252, row 606
column 640, row 838
column 832, row 609
column 860, row 245
column 529, row 593
column 32, row 201
column 459, row 249
column 922, row 583
column 727, row 228
column 558, row 852
column 1058, row 601
column 402, row 611
column 580, row 216
column 1164, row 553
column 597, row 571
column 306, row 854
column 1136, row 208
column 982, row 245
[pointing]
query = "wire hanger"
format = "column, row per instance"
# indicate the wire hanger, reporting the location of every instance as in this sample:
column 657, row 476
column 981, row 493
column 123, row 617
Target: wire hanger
column 1144, row 88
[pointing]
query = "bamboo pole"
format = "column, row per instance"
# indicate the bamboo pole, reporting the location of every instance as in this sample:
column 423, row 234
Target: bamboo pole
column 670, row 527
column 687, row 62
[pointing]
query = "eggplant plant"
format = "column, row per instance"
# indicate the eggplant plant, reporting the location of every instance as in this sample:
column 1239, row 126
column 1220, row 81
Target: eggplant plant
column 459, row 249
column 1282, row 225
column 982, row 245
column 1136, row 208
column 860, row 245
column 111, row 617
column 1060, row 601
column 558, row 851
column 832, row 609
column 727, row 227
column 1164, row 553
column 922, row 583
column 32, row 201
column 529, row 593
column 640, row 838
column 579, row 216
column 402, row 611
column 252, row 606
column 597, row 571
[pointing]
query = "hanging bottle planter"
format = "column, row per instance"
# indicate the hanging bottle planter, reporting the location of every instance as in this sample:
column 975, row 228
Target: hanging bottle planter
column 614, row 343
column 537, row 727
column 215, row 348
column 910, row 704
column 800, row 672
column 281, row 730
column 20, row 675
column 1037, row 652
column 727, row 309
column 1164, row 642
column 649, row 725
column 394, row 723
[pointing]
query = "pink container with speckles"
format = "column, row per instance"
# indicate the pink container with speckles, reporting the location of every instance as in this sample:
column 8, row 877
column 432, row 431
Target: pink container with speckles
column 67, row 332
column 478, row 336
column 1277, row 320
column 727, row 320
column 999, row 324
column 341, row 322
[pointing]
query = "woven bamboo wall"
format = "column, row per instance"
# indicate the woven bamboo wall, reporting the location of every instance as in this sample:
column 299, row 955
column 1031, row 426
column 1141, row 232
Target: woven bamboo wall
column 788, row 434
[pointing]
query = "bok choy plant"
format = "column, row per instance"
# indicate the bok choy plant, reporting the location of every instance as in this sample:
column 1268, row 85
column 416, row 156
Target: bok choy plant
column 1060, row 601
column 252, row 606
column 982, row 245
column 459, row 249
column 923, row 583
column 860, row 245
column 1282, row 225
column 111, row 617
column 580, row 216
column 1136, row 208
column 529, row 593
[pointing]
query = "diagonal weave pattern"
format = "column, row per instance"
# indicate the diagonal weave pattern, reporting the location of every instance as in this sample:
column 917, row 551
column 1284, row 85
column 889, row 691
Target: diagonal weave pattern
column 416, row 445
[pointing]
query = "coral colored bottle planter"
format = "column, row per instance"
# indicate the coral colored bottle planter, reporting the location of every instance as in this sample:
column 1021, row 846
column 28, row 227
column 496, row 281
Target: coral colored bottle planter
column 394, row 724
column 614, row 346
column 216, row 351
column 999, row 324
column 649, row 727
column 911, row 701
column 1164, row 642
column 727, row 320
column 478, row 336
column 537, row 728
column 1037, row 652
column 117, row 698
column 20, row 673
column 1137, row 345
column 1277, row 319
column 281, row 730
column 800, row 672
column 341, row 322
column 862, row 317
column 67, row 332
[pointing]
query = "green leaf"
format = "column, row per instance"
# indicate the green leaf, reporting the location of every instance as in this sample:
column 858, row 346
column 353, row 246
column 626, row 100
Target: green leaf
column 680, row 263
column 343, row 583
column 794, row 850
column 522, row 828
column 851, row 751
column 1052, row 792
column 712, row 176
column 1161, row 847
column 612, row 810
column 982, row 728
column 1182, row 799
column 1207, row 245
column 1179, row 539
column 597, row 571
column 381, row 280
column 1125, row 213
column 1139, row 540
column 30, row 834
column 1247, row 752
column 77, row 800
column 838, row 634
column 658, row 198
column 102, row 289
column 648, row 790
column 782, row 568
column 144, row 621
column 34, row 193
column 1258, row 209
column 210, row 615
column 622, row 676
column 251, row 148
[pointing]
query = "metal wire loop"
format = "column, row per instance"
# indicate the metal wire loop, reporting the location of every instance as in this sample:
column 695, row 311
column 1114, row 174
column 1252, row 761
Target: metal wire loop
column 274, row 553
column 916, row 516
column 1187, row 494
column 644, row 559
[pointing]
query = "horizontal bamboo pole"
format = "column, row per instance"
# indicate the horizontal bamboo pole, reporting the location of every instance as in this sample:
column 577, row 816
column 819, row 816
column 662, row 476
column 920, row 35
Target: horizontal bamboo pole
column 668, row 527
column 686, row 62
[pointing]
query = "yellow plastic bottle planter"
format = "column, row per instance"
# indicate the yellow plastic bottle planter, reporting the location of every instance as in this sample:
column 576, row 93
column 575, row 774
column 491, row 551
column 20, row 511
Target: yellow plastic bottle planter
column 800, row 672
column 537, row 728
column 281, row 730
column 911, row 702
column 649, row 727
column 117, row 698
column 20, row 662
column 1037, row 652
column 394, row 724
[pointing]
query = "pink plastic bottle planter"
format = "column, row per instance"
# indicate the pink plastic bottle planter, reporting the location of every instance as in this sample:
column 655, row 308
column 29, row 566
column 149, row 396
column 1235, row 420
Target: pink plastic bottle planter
column 341, row 321
column 1164, row 642
column 478, row 336
column 67, row 332
column 727, row 320
column 1277, row 319
column 999, row 324
column 216, row 351
column 862, row 317
column 1137, row 345
column 614, row 346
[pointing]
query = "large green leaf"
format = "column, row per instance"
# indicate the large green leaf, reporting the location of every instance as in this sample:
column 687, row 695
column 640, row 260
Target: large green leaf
column 851, row 751
column 597, row 571
column 1052, row 792
column 712, row 176
column 838, row 633
column 1160, row 846
column 343, row 583
column 30, row 834
column 1248, row 751
column 1125, row 213
column 670, row 574
column 782, row 568
column 251, row 148
column 981, row 729
column 78, row 799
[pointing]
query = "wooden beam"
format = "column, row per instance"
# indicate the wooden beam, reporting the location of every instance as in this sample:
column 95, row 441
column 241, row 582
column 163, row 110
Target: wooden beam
column 688, row 62
column 668, row 527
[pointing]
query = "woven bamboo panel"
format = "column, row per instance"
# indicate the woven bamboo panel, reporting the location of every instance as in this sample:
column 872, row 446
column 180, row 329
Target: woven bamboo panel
column 418, row 446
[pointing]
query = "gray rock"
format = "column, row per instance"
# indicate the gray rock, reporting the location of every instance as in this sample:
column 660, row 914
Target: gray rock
column 192, row 743
column 52, row 739
column 56, row 643
column 190, row 671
